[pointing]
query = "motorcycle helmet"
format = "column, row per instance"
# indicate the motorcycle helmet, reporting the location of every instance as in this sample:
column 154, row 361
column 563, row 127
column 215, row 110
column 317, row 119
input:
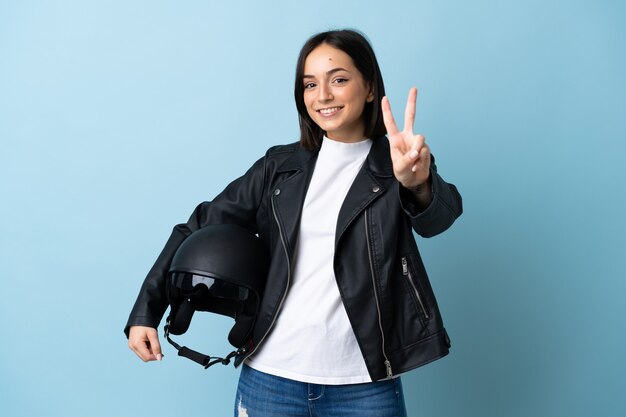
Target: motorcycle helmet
column 219, row 269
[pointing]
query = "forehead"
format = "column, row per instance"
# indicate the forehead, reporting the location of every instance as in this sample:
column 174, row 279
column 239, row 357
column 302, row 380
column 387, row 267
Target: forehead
column 326, row 57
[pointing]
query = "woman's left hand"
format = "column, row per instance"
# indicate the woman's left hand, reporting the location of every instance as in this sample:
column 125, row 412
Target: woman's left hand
column 410, row 155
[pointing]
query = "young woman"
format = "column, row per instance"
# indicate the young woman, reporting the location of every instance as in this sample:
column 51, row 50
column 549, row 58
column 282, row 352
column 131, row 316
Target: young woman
column 347, row 306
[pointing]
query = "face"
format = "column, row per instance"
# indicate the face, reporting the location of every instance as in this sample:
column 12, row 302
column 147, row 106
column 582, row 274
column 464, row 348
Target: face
column 335, row 93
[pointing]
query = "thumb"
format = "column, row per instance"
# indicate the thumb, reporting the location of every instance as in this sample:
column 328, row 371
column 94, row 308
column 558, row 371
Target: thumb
column 155, row 346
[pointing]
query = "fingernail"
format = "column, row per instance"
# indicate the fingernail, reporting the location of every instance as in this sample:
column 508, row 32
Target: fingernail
column 413, row 154
column 159, row 357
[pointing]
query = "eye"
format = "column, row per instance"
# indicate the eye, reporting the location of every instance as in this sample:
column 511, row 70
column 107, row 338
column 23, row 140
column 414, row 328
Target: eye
column 308, row 86
column 340, row 80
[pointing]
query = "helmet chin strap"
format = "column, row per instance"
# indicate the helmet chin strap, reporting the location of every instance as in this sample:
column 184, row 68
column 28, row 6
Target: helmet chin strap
column 202, row 359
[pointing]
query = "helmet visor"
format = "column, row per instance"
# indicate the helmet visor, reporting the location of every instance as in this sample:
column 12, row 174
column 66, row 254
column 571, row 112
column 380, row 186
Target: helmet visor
column 188, row 282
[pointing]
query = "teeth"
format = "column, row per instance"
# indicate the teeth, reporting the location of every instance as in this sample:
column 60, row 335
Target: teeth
column 326, row 112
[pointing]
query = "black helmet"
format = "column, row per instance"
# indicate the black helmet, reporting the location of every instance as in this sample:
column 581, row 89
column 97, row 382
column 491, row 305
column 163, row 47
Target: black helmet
column 220, row 269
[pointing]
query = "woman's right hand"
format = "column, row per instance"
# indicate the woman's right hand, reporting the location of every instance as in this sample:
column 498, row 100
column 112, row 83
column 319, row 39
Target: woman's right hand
column 144, row 341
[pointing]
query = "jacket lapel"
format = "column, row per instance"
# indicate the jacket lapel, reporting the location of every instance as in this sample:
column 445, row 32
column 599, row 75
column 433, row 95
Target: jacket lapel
column 289, row 192
column 372, row 181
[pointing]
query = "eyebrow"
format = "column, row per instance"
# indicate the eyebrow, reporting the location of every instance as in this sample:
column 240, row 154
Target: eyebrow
column 329, row 72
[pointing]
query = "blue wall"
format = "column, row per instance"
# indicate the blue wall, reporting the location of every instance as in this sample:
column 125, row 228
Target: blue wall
column 117, row 117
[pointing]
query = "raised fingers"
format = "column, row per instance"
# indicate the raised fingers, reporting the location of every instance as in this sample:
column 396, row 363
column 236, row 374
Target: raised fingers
column 390, row 123
column 409, row 111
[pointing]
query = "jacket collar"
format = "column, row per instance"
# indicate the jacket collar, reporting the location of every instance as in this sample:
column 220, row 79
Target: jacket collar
column 298, row 159
column 379, row 160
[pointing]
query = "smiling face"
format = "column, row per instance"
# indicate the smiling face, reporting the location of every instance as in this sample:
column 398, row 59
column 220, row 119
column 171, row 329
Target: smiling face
column 335, row 93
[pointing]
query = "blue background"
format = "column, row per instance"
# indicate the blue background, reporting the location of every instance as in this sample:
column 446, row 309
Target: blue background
column 118, row 117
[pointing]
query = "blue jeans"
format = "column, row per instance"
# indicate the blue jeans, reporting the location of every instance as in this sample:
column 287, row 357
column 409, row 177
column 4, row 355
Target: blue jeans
column 263, row 395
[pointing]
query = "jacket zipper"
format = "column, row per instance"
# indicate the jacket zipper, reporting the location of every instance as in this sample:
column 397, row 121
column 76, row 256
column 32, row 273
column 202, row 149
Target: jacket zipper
column 282, row 240
column 380, row 323
column 407, row 274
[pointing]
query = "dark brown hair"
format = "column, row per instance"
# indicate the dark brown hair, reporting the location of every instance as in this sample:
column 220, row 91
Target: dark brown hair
column 359, row 49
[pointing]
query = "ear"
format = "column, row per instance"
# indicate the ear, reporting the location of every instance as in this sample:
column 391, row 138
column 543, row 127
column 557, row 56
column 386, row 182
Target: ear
column 370, row 95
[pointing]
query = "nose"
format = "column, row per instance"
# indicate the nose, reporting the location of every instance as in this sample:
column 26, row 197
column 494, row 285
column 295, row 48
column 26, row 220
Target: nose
column 324, row 94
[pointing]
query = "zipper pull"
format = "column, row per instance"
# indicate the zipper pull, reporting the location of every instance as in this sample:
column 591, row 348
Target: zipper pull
column 388, row 366
column 405, row 268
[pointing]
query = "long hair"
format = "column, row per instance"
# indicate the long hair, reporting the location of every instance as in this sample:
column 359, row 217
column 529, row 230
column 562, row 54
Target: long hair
column 359, row 49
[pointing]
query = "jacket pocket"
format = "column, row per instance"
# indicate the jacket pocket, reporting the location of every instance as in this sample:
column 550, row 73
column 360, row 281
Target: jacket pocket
column 412, row 287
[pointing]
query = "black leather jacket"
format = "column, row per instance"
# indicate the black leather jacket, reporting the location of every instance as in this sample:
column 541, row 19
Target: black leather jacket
column 379, row 272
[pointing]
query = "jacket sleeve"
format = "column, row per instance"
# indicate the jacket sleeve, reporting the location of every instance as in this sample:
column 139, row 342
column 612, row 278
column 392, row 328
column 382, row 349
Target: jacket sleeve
column 446, row 206
column 237, row 204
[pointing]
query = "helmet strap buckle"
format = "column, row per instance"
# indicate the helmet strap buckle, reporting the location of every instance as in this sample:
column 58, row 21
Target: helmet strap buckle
column 200, row 358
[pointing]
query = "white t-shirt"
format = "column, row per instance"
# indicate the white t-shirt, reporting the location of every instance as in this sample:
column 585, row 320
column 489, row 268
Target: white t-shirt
column 312, row 339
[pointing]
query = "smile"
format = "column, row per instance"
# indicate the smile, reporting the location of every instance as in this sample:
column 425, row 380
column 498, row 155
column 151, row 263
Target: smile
column 329, row 111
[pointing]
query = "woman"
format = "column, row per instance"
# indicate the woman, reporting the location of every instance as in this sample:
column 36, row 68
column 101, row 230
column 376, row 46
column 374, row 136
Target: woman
column 348, row 306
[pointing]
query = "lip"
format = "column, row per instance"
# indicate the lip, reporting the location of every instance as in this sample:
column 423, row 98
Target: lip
column 329, row 111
